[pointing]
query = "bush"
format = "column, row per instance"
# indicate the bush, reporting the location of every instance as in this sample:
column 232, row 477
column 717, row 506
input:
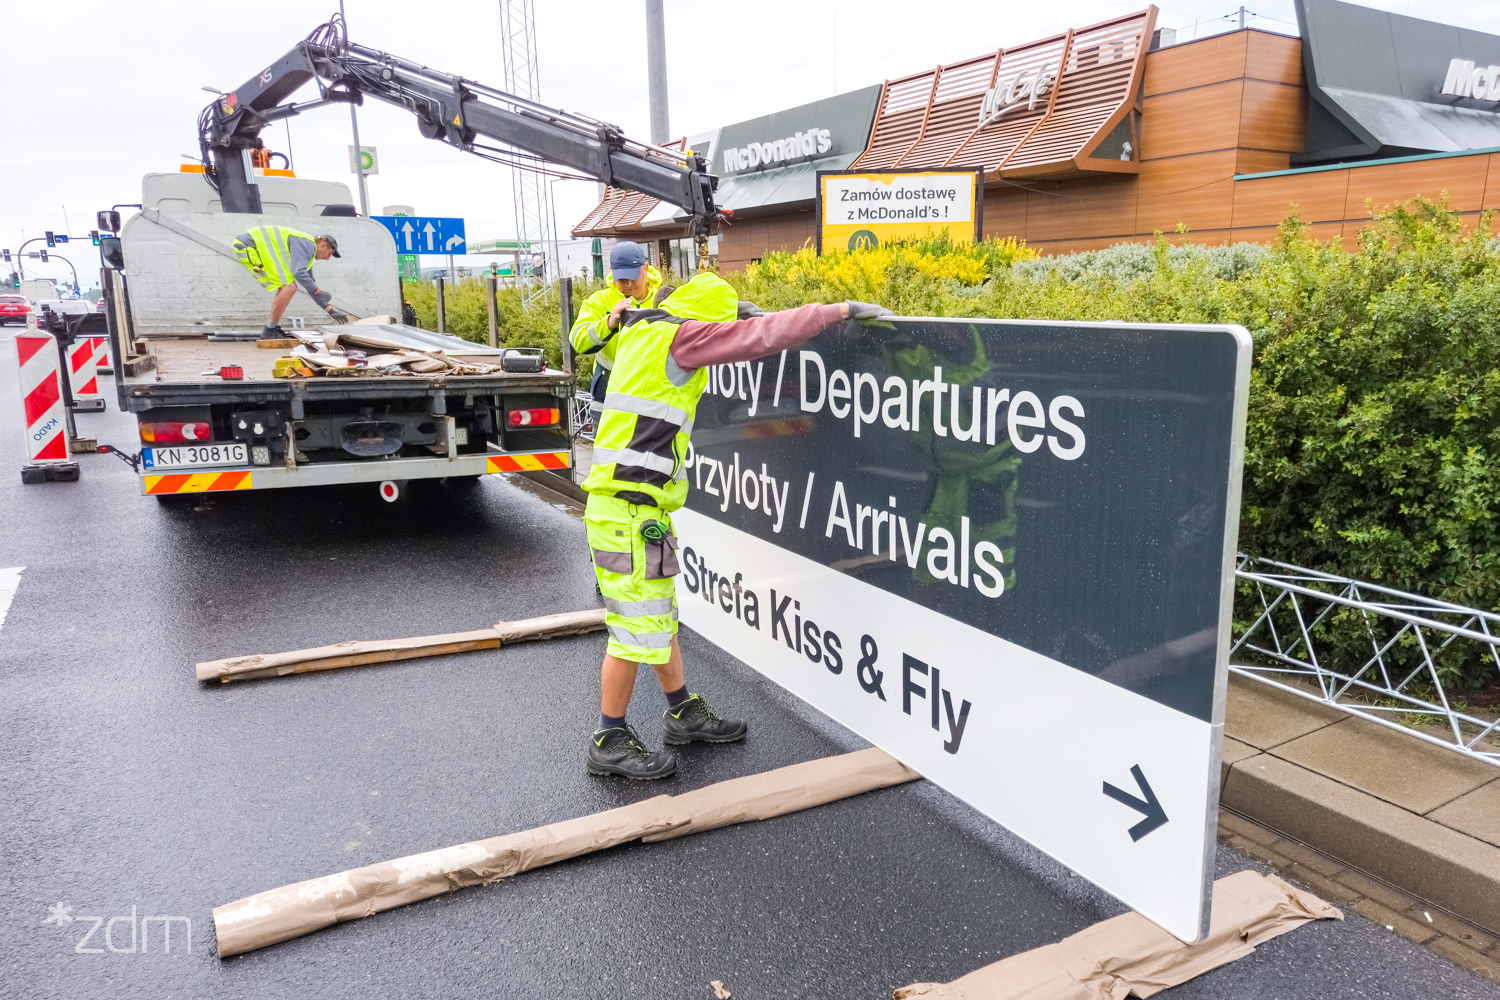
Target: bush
column 1373, row 439
column 1130, row 261
column 909, row 276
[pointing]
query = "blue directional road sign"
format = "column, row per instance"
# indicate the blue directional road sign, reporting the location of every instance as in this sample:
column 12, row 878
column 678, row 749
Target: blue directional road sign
column 425, row 234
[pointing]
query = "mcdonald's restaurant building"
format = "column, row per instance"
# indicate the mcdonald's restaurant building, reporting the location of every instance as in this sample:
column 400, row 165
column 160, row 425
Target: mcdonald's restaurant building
column 1115, row 131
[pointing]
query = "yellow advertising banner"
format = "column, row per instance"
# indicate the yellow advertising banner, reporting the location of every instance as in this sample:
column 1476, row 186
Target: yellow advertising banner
column 868, row 209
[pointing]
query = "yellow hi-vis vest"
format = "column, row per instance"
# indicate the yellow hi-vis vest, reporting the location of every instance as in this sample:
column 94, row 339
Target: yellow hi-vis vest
column 642, row 440
column 590, row 333
column 270, row 259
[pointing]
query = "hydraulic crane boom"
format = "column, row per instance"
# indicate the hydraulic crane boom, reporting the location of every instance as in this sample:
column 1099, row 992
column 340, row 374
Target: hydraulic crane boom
column 448, row 108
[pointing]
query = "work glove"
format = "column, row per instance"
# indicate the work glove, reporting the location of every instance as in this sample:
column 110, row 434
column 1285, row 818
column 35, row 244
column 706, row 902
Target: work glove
column 868, row 310
column 338, row 317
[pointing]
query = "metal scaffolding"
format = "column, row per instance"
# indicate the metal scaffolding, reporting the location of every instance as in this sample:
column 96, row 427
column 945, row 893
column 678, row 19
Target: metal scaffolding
column 1367, row 650
column 531, row 193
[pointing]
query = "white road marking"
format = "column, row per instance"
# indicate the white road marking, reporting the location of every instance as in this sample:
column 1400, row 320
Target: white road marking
column 10, row 579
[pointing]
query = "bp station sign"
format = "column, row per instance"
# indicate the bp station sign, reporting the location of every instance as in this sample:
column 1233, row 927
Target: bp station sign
column 867, row 209
column 1003, row 552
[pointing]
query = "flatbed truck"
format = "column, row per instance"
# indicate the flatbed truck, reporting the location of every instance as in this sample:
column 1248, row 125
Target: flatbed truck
column 180, row 292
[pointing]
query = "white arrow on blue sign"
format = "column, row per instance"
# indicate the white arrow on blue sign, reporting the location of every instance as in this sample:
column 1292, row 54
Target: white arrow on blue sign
column 425, row 234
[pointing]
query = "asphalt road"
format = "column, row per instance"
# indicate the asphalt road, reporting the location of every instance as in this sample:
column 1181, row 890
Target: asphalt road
column 128, row 786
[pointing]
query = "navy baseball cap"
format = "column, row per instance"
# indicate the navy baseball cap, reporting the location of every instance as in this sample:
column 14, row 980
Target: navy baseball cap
column 626, row 260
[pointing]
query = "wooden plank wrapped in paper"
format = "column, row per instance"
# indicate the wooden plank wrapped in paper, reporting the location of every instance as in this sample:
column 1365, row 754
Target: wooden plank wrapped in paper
column 277, row 915
column 352, row 653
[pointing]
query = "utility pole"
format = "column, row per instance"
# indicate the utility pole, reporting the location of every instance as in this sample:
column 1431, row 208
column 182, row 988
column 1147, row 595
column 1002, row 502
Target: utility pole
column 359, row 159
column 656, row 71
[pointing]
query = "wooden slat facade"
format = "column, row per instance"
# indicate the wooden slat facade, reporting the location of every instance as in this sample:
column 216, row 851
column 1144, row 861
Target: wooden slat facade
column 932, row 119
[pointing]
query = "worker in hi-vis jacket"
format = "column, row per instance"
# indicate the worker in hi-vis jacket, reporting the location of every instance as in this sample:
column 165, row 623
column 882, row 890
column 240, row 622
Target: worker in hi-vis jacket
column 639, row 477
column 630, row 277
column 281, row 259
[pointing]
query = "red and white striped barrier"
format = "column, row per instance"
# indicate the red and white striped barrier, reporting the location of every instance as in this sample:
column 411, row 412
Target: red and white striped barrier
column 41, row 398
column 82, row 369
column 102, row 363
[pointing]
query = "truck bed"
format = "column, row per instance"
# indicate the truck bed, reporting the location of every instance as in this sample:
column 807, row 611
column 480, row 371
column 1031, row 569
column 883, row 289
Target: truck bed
column 178, row 379
column 187, row 360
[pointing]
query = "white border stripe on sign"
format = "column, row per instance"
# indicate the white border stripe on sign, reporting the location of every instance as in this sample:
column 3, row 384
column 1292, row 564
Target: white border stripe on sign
column 10, row 579
column 1041, row 739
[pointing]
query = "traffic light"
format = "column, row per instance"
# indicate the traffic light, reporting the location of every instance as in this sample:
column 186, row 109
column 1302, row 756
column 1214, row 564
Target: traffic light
column 44, row 256
column 15, row 280
column 94, row 235
column 51, row 240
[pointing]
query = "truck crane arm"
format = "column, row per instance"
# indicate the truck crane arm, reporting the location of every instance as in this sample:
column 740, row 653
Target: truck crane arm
column 450, row 109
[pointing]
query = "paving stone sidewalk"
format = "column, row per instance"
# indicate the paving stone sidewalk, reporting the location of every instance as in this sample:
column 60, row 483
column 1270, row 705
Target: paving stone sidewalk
column 1402, row 831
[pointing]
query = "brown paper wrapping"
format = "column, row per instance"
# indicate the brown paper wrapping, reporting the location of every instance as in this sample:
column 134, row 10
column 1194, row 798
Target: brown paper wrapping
column 1129, row 955
column 291, row 911
column 787, row 789
column 352, row 653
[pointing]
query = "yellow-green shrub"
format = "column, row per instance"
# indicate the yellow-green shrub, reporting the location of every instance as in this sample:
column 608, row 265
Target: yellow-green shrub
column 896, row 274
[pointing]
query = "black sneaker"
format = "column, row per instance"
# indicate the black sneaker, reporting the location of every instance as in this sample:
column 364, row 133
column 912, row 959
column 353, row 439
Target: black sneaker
column 620, row 751
column 272, row 331
column 695, row 720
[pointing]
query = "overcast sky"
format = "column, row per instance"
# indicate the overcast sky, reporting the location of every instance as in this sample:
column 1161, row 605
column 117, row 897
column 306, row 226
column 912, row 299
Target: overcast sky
column 99, row 93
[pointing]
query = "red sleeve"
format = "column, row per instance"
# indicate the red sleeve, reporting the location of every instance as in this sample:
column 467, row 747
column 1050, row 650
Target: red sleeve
column 700, row 344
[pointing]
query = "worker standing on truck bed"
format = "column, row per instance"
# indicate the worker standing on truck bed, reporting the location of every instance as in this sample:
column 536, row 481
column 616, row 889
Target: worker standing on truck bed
column 281, row 259
column 630, row 277
column 639, row 477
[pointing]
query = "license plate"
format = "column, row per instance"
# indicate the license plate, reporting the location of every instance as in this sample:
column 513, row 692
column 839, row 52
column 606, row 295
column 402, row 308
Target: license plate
column 196, row 455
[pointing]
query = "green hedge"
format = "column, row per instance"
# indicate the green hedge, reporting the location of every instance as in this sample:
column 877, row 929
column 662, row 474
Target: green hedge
column 1373, row 439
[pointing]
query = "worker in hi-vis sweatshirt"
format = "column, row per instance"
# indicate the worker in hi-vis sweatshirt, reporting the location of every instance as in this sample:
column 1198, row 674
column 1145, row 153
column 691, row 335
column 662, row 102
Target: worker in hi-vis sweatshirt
column 639, row 477
column 281, row 259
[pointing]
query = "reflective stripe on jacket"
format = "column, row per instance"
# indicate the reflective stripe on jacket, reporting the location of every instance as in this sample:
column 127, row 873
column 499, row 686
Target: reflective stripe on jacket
column 642, row 437
column 270, row 256
column 591, row 333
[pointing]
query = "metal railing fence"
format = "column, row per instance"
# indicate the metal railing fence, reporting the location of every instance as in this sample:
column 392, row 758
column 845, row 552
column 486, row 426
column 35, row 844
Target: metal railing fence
column 582, row 423
column 1371, row 651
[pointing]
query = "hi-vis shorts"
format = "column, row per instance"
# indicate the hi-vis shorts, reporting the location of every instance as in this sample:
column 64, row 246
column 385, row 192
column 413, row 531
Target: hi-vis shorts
column 635, row 576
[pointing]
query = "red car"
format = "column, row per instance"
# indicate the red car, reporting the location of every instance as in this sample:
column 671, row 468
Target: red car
column 13, row 309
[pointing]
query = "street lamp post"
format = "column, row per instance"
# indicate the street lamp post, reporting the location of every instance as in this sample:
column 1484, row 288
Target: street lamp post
column 359, row 160
column 53, row 256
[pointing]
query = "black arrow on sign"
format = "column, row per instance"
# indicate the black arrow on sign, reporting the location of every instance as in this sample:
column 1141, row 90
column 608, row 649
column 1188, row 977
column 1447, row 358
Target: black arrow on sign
column 1155, row 815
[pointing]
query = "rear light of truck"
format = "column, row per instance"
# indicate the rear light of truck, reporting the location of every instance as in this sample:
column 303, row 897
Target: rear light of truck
column 542, row 417
column 160, row 431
